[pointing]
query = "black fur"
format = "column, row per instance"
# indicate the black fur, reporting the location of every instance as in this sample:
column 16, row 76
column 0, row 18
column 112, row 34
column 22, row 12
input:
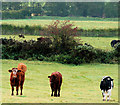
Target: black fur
column 113, row 42
column 106, row 83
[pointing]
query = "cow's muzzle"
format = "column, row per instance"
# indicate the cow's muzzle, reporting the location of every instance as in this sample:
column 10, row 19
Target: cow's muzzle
column 14, row 76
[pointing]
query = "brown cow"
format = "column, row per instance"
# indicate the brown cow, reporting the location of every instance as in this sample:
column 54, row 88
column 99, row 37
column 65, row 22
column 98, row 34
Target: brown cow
column 55, row 83
column 47, row 40
column 17, row 77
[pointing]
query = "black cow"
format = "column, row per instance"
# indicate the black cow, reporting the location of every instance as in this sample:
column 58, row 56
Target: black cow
column 87, row 44
column 113, row 42
column 21, row 36
column 106, row 86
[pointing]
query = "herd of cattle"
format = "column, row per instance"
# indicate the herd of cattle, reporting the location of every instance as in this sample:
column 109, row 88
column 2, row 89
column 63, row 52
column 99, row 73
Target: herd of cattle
column 17, row 78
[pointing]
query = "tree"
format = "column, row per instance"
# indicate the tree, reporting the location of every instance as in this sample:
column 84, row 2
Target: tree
column 111, row 9
column 56, row 9
column 91, row 9
column 95, row 9
column 11, row 5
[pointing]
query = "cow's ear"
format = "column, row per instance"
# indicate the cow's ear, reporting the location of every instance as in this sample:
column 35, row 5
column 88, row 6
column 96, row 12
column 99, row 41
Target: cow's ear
column 19, row 71
column 49, row 76
column 10, row 71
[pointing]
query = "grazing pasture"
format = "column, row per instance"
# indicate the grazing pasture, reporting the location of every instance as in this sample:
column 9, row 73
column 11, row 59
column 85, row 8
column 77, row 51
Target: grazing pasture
column 81, row 84
column 74, row 18
column 100, row 42
column 79, row 24
column 97, row 42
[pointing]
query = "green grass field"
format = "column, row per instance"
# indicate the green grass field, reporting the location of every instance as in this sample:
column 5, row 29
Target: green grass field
column 97, row 42
column 74, row 18
column 80, row 24
column 80, row 83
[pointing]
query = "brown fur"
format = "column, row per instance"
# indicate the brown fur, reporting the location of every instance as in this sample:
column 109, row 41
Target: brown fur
column 55, row 83
column 17, row 80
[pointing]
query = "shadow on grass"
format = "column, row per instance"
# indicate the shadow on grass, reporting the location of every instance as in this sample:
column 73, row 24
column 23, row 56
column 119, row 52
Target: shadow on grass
column 111, row 100
column 21, row 96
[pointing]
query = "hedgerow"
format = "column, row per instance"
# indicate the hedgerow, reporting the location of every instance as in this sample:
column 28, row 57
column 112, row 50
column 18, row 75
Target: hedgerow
column 29, row 50
column 59, row 46
column 8, row 29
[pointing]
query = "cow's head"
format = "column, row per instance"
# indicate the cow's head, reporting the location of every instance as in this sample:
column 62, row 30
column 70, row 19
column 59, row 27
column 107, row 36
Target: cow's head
column 14, row 72
column 52, row 79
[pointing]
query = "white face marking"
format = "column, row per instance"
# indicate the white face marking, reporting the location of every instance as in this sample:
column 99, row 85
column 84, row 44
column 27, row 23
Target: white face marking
column 104, row 77
column 14, row 71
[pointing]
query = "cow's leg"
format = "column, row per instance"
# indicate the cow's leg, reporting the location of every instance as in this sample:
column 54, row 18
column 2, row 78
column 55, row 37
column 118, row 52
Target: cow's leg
column 21, row 83
column 55, row 93
column 59, row 92
column 56, row 87
column 21, row 87
column 12, row 90
column 17, row 87
column 104, row 95
column 108, row 94
column 52, row 91
column 52, row 88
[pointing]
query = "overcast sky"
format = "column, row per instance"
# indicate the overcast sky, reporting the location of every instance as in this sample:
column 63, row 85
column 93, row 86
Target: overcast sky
column 60, row 0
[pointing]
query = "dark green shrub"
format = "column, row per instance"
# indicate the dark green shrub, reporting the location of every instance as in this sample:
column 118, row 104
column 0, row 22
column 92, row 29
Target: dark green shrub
column 104, row 56
column 117, row 50
column 43, row 51
column 63, row 59
column 26, row 49
column 83, row 54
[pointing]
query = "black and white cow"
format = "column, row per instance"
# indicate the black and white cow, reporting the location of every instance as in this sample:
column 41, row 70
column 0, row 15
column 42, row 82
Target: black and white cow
column 113, row 42
column 106, row 86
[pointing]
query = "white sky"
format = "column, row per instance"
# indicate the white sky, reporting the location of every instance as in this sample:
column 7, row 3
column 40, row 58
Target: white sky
column 60, row 0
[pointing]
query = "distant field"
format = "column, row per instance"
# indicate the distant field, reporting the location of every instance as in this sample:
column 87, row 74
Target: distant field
column 74, row 18
column 97, row 42
column 80, row 83
column 80, row 24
